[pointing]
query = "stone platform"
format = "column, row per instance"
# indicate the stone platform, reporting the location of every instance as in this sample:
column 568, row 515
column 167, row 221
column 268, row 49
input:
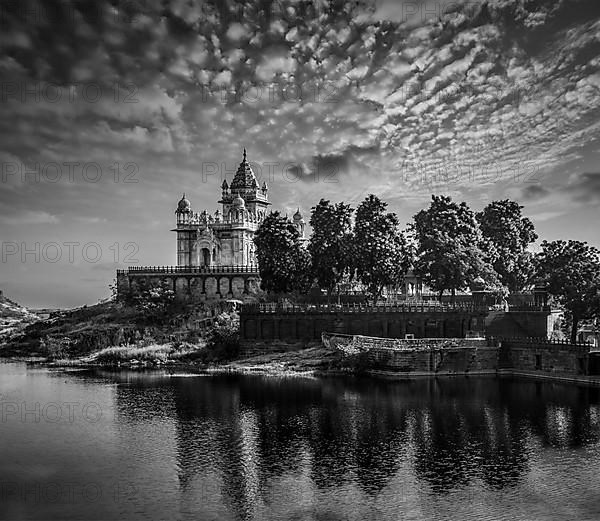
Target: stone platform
column 193, row 283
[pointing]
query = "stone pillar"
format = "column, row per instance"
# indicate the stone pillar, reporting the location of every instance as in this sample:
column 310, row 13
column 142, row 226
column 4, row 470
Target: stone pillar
column 385, row 327
column 540, row 294
column 421, row 328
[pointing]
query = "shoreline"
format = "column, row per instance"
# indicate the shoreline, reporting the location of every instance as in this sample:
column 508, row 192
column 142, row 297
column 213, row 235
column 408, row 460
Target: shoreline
column 274, row 365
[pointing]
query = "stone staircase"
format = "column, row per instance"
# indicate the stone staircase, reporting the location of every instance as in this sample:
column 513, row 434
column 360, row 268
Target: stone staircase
column 502, row 323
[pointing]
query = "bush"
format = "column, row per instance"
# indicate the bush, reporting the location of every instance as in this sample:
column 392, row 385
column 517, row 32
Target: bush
column 152, row 354
column 55, row 348
column 223, row 340
column 357, row 363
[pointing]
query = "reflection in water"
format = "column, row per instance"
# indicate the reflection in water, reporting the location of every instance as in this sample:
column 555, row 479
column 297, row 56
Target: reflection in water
column 233, row 447
column 251, row 433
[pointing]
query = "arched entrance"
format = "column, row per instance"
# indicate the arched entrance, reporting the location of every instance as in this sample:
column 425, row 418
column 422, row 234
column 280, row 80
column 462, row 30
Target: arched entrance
column 205, row 257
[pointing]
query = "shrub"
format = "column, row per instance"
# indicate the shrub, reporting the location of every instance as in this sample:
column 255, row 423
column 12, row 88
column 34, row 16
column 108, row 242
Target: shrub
column 153, row 354
column 223, row 340
column 358, row 363
column 55, row 348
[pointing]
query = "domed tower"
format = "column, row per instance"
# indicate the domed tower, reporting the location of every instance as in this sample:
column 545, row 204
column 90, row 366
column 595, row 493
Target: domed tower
column 183, row 206
column 238, row 209
column 185, row 235
column 299, row 223
column 246, row 186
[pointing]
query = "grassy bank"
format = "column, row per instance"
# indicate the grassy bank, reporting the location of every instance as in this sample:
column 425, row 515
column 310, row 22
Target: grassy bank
column 162, row 334
column 115, row 332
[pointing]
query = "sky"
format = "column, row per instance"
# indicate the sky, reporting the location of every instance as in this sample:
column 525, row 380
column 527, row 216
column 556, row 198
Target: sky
column 110, row 110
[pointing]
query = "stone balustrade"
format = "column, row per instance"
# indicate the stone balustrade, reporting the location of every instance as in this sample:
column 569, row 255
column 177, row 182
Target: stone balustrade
column 408, row 307
column 185, row 270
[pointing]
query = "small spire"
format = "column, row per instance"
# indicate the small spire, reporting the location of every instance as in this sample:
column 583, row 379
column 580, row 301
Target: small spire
column 244, row 153
column 184, row 195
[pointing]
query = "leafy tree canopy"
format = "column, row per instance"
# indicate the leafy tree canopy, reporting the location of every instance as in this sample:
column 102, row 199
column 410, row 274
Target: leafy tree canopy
column 283, row 263
column 380, row 249
column 571, row 270
column 503, row 224
column 330, row 244
column 451, row 251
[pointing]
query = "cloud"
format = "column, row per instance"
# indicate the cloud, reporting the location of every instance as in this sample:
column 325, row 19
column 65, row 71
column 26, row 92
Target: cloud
column 585, row 187
column 237, row 31
column 388, row 96
column 534, row 192
column 31, row 217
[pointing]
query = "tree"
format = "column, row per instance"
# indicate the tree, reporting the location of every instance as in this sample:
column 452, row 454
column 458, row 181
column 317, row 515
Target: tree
column 502, row 223
column 572, row 272
column 450, row 247
column 330, row 243
column 283, row 262
column 380, row 250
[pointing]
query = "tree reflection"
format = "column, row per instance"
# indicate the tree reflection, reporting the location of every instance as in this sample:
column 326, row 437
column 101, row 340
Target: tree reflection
column 247, row 434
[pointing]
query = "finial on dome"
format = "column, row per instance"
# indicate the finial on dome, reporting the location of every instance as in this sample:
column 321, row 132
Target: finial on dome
column 184, row 205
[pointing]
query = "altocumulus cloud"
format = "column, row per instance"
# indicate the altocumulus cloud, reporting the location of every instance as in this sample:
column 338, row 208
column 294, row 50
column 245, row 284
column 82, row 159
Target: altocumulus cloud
column 403, row 98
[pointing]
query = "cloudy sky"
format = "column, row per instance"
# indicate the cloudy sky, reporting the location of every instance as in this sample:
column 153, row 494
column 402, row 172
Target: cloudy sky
column 111, row 109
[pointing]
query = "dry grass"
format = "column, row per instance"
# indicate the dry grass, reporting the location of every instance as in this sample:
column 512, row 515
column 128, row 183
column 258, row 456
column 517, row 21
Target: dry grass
column 129, row 353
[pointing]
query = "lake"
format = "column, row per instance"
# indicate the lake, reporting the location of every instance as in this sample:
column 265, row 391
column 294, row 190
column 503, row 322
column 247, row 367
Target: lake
column 146, row 445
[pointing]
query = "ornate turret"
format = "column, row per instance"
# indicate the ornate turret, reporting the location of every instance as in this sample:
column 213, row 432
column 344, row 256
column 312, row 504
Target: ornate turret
column 238, row 202
column 299, row 222
column 244, row 177
column 225, row 237
column 183, row 206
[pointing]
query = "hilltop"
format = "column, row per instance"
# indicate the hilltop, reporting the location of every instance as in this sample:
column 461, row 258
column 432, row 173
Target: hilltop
column 80, row 332
column 13, row 317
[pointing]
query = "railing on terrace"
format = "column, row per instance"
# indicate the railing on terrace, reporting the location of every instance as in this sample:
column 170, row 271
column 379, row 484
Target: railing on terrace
column 361, row 308
column 529, row 307
column 540, row 341
column 151, row 270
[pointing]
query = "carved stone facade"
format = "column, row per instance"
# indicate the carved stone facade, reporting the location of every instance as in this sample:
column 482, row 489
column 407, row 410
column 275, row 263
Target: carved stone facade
column 225, row 237
column 216, row 257
column 193, row 284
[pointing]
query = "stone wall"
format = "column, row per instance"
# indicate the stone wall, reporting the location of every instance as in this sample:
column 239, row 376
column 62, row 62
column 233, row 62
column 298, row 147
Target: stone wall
column 532, row 357
column 518, row 323
column 194, row 285
column 536, row 355
column 294, row 326
column 462, row 356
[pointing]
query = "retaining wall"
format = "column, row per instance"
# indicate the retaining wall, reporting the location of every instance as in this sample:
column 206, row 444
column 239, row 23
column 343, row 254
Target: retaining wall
column 297, row 326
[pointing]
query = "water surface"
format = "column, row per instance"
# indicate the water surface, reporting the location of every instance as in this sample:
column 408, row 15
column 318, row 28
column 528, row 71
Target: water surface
column 104, row 445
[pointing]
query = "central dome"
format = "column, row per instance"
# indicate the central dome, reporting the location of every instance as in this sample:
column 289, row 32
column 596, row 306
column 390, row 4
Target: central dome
column 244, row 178
column 238, row 202
column 184, row 206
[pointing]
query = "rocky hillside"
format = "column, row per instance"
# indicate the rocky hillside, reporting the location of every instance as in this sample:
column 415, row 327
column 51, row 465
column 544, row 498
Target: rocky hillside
column 13, row 317
column 81, row 331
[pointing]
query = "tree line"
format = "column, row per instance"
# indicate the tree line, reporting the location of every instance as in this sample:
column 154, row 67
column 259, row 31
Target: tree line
column 447, row 245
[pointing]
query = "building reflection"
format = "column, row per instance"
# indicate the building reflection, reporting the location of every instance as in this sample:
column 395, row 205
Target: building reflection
column 242, row 437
